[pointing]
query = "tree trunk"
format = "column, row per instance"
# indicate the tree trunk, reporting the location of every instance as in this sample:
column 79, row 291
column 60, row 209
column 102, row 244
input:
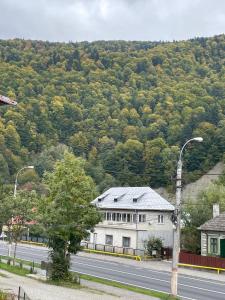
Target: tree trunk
column 14, row 254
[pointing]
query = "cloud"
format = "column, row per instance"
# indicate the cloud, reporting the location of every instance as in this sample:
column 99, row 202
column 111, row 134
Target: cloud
column 78, row 20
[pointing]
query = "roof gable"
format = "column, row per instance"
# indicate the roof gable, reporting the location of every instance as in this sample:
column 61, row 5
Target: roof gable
column 141, row 198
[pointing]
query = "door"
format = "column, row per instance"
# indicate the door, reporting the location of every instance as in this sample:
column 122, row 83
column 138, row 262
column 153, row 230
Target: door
column 222, row 248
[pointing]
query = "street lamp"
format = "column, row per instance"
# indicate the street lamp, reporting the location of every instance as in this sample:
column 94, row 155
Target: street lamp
column 16, row 181
column 177, row 219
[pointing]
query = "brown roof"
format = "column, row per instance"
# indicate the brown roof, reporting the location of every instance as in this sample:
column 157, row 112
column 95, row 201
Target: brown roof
column 215, row 224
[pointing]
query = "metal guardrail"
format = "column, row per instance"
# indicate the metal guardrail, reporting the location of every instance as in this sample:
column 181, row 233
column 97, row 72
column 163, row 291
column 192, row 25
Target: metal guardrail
column 202, row 267
column 22, row 294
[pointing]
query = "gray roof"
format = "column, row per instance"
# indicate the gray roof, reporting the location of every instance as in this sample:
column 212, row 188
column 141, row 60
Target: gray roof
column 215, row 224
column 122, row 198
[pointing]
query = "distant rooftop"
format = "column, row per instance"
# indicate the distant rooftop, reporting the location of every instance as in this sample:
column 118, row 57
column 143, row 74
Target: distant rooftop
column 7, row 101
column 140, row 198
column 215, row 224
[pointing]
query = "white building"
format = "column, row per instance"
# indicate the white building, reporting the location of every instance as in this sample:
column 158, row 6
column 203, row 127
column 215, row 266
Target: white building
column 130, row 215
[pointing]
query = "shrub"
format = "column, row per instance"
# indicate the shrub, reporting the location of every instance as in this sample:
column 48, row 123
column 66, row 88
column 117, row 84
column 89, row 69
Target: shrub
column 154, row 244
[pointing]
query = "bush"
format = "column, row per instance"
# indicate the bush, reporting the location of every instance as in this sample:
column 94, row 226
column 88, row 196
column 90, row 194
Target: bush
column 154, row 246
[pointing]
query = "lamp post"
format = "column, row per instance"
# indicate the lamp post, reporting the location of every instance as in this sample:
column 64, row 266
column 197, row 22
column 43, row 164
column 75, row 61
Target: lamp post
column 16, row 181
column 177, row 220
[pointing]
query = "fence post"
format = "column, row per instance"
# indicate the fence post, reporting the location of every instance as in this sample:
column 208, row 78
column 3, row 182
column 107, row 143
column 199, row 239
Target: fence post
column 19, row 293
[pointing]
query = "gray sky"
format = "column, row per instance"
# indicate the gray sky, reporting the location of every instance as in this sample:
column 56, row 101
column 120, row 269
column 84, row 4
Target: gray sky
column 79, row 20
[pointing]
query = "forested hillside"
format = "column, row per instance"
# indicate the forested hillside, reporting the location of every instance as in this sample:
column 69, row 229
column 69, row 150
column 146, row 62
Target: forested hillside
column 126, row 107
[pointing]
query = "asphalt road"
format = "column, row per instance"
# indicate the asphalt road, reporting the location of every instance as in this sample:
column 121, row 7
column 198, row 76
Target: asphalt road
column 189, row 287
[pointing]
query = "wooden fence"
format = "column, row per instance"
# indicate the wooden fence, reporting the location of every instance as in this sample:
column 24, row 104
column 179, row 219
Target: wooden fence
column 198, row 260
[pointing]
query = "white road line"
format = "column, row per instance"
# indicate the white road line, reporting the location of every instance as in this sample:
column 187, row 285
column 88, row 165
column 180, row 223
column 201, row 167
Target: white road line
column 159, row 272
column 153, row 278
column 134, row 285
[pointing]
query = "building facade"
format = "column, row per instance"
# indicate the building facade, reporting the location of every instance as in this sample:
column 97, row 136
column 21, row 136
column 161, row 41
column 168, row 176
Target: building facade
column 213, row 236
column 131, row 215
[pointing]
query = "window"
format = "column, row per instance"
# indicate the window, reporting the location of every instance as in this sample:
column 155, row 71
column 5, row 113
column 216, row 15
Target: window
column 109, row 239
column 108, row 215
column 126, row 242
column 160, row 219
column 142, row 218
column 124, row 217
column 134, row 218
column 128, row 218
column 114, row 216
column 118, row 217
column 213, row 245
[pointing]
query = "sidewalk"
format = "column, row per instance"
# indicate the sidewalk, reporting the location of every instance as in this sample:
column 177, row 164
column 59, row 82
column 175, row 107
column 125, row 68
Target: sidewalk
column 158, row 265
column 37, row 290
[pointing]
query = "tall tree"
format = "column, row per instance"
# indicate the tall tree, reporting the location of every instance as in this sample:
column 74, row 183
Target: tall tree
column 67, row 214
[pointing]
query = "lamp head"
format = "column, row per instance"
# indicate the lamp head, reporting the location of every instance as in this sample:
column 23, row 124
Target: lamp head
column 30, row 167
column 198, row 139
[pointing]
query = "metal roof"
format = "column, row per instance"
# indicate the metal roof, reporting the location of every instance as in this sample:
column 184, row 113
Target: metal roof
column 215, row 224
column 7, row 101
column 140, row 198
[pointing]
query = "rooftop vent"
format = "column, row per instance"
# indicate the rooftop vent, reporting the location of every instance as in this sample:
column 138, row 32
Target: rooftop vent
column 135, row 200
column 116, row 199
column 100, row 199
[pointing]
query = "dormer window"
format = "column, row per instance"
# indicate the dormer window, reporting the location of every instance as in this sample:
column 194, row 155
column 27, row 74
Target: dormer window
column 115, row 199
column 99, row 199
column 135, row 200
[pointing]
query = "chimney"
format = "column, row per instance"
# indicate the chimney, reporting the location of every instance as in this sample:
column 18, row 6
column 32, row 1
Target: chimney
column 216, row 210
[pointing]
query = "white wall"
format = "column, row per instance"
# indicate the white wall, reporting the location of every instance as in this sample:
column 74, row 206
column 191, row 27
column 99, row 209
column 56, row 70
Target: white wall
column 144, row 230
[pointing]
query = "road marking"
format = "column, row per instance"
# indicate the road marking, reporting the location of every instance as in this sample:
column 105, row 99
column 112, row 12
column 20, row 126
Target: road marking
column 190, row 277
column 134, row 285
column 153, row 278
column 128, row 273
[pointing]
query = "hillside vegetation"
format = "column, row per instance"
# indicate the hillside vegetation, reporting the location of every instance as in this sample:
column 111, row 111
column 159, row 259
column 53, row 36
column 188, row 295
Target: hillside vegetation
column 126, row 107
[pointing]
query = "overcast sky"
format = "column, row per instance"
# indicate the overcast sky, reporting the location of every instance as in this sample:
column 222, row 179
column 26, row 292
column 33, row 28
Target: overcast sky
column 79, row 20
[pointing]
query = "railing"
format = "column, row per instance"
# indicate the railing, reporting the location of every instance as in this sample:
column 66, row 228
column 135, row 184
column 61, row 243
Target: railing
column 22, row 294
column 113, row 249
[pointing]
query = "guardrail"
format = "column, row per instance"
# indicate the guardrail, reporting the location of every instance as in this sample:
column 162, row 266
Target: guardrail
column 202, row 267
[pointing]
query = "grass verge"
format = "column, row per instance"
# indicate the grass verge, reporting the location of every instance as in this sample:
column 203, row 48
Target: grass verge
column 160, row 295
column 14, row 269
column 23, row 261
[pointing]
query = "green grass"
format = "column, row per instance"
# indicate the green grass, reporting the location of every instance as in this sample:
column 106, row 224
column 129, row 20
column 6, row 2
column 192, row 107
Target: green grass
column 14, row 269
column 23, row 261
column 160, row 295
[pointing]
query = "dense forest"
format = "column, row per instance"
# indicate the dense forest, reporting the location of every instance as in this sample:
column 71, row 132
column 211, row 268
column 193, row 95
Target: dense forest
column 126, row 107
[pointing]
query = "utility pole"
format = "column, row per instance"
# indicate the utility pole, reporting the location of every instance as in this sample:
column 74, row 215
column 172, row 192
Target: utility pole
column 176, row 233
column 177, row 220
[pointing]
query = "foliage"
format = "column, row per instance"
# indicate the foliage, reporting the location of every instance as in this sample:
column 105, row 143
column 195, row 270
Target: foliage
column 126, row 107
column 16, row 213
column 196, row 213
column 153, row 243
column 66, row 213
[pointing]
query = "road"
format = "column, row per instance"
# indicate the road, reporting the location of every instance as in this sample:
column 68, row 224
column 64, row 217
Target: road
column 189, row 287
